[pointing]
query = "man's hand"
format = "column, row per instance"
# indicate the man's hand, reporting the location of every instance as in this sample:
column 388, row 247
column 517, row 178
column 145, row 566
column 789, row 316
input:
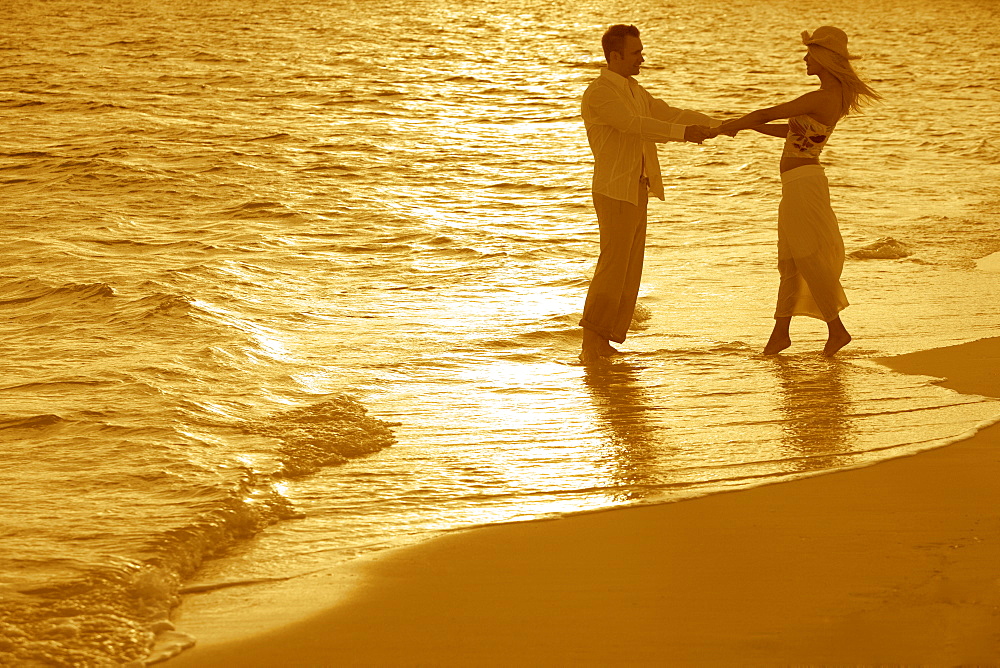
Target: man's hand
column 696, row 133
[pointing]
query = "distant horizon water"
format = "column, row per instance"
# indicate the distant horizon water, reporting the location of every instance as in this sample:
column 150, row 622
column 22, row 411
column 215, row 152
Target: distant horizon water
column 286, row 283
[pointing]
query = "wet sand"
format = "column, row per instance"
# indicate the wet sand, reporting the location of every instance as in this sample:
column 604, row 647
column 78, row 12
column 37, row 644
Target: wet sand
column 896, row 563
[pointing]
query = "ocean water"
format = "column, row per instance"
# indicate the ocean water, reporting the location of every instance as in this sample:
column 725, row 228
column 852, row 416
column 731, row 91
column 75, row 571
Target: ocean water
column 286, row 282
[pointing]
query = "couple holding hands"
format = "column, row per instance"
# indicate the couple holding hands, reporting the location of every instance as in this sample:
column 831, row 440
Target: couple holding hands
column 624, row 123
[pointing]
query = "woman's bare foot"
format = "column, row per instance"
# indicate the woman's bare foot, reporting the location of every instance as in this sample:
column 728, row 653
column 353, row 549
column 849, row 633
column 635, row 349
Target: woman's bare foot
column 777, row 343
column 780, row 339
column 837, row 339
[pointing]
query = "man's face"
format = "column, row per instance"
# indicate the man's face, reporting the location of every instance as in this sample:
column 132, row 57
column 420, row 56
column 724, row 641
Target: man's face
column 632, row 57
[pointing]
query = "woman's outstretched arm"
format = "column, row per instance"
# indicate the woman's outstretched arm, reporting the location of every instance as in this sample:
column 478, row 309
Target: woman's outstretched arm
column 773, row 129
column 817, row 101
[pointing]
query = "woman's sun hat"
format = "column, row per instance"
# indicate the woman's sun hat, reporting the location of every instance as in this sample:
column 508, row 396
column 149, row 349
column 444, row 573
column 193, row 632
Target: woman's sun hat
column 830, row 38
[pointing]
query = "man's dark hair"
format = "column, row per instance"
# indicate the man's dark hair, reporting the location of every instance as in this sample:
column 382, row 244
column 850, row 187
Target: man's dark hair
column 614, row 39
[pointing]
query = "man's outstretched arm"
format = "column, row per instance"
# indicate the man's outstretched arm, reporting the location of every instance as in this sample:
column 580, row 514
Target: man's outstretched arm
column 607, row 107
column 664, row 112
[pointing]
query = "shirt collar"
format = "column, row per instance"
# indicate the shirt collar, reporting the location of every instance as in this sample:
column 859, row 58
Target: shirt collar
column 616, row 79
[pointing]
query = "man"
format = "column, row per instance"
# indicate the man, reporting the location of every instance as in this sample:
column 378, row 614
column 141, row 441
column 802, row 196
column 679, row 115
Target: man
column 623, row 121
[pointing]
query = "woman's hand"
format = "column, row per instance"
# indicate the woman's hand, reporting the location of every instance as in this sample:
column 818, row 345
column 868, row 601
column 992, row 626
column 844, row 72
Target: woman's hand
column 728, row 128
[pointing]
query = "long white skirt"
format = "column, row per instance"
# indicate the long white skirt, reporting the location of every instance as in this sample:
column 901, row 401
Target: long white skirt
column 810, row 248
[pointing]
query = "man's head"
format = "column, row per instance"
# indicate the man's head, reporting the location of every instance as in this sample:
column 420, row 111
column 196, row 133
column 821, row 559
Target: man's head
column 623, row 49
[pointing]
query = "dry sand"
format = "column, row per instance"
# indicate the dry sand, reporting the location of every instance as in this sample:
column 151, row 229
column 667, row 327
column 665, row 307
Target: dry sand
column 893, row 564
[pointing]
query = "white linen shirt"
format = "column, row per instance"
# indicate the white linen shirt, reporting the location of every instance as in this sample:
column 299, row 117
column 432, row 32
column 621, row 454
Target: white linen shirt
column 623, row 124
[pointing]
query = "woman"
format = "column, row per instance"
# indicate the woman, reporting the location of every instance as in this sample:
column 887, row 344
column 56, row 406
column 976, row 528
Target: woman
column 810, row 248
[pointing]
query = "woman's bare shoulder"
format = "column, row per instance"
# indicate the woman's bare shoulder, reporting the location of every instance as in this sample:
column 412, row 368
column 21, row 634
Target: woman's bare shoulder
column 829, row 103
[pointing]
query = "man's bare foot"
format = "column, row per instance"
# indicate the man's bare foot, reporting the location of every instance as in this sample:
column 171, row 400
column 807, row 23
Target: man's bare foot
column 608, row 350
column 594, row 346
column 590, row 358
column 777, row 343
column 835, row 342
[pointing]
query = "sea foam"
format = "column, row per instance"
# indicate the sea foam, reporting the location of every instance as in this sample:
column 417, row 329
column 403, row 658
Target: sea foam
column 885, row 248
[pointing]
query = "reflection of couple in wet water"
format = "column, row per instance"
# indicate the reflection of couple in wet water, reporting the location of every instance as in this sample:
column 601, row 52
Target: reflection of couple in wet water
column 624, row 122
column 814, row 425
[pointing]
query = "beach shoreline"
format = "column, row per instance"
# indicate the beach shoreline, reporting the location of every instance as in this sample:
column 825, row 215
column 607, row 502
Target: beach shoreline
column 893, row 563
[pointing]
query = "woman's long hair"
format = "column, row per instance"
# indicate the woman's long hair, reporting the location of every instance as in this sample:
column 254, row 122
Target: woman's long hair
column 856, row 92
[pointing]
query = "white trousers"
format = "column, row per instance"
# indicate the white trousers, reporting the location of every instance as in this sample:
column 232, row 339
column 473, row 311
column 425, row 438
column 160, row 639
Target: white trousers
column 615, row 287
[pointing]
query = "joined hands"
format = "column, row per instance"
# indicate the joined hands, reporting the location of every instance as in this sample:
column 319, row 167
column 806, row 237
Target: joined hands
column 726, row 128
column 699, row 133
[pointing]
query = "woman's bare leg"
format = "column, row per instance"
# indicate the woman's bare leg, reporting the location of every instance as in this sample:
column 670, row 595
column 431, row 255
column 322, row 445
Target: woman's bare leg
column 837, row 339
column 780, row 338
